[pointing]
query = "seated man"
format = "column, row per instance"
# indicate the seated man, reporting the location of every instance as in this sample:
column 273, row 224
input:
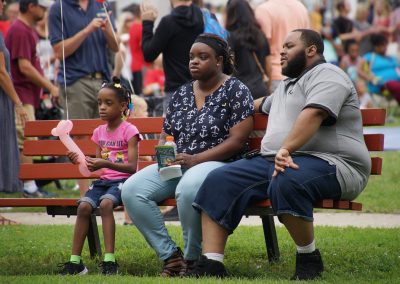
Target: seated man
column 313, row 149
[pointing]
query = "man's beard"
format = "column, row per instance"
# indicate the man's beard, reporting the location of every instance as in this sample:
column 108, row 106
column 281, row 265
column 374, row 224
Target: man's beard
column 295, row 66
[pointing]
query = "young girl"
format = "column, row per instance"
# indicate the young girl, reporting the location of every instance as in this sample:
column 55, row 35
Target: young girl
column 116, row 153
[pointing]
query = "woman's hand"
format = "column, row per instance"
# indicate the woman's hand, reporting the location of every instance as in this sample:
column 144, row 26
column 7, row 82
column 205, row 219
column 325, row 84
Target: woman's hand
column 22, row 116
column 94, row 164
column 283, row 160
column 186, row 160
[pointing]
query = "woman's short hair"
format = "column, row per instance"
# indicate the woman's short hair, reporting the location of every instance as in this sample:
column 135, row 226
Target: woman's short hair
column 221, row 48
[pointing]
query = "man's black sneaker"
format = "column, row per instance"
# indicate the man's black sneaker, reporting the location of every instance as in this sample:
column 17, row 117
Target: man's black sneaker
column 187, row 267
column 308, row 266
column 70, row 268
column 109, row 267
column 208, row 268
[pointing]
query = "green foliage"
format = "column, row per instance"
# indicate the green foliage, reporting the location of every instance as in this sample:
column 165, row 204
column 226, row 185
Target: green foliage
column 30, row 254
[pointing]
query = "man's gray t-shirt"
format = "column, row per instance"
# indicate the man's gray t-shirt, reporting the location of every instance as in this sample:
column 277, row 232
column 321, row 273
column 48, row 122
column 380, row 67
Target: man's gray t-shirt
column 339, row 140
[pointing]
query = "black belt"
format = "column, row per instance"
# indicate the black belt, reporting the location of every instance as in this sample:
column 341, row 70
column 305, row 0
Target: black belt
column 95, row 75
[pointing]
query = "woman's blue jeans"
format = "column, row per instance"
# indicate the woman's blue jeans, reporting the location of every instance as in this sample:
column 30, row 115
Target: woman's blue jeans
column 141, row 193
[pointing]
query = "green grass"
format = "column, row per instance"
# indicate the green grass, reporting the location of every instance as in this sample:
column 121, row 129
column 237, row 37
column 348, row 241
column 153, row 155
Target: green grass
column 30, row 254
column 382, row 194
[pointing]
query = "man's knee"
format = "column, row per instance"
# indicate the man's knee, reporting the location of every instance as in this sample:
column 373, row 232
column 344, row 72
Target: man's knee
column 282, row 186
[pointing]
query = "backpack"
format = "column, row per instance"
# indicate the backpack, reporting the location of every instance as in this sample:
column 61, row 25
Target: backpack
column 211, row 25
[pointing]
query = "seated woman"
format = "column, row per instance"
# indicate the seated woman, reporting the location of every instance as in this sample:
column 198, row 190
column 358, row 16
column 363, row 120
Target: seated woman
column 210, row 119
column 381, row 71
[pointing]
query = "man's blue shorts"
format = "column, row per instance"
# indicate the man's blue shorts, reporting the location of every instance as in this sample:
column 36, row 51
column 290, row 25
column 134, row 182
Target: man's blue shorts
column 104, row 189
column 229, row 190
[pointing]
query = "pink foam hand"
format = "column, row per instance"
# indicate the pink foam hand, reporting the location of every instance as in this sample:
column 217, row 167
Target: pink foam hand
column 62, row 130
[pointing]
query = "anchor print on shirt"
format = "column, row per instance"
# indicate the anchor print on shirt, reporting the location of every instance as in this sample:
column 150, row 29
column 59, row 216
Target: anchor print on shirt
column 203, row 131
column 193, row 145
column 199, row 130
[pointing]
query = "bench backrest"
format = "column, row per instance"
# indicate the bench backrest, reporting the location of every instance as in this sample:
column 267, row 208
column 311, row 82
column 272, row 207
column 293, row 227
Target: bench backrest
column 151, row 125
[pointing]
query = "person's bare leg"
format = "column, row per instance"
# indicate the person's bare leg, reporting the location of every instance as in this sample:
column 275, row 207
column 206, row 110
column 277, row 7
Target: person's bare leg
column 214, row 236
column 127, row 220
column 81, row 227
column 301, row 231
column 108, row 222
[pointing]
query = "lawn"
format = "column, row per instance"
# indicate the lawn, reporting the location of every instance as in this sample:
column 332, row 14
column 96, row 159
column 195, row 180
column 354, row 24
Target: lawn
column 31, row 255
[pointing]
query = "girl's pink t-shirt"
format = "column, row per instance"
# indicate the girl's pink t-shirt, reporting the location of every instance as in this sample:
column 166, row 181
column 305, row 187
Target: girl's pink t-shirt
column 114, row 146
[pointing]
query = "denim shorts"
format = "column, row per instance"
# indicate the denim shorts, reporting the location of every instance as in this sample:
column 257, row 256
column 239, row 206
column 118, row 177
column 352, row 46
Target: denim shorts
column 104, row 189
column 229, row 190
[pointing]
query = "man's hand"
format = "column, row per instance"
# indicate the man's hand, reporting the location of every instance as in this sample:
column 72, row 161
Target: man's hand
column 283, row 160
column 55, row 96
column 94, row 164
column 148, row 11
column 96, row 24
column 186, row 160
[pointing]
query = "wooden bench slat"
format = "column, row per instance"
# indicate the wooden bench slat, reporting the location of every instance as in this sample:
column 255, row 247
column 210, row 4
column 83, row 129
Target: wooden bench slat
column 45, row 171
column 37, row 202
column 41, row 128
column 374, row 142
column 43, row 202
column 88, row 147
column 376, row 167
column 373, row 116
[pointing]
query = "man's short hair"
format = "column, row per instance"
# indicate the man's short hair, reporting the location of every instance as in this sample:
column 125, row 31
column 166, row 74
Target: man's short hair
column 311, row 37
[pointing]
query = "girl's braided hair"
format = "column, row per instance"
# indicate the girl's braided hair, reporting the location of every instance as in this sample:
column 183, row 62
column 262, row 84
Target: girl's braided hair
column 123, row 93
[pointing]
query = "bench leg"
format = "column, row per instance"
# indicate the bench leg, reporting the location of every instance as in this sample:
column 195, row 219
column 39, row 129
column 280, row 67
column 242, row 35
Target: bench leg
column 271, row 240
column 93, row 237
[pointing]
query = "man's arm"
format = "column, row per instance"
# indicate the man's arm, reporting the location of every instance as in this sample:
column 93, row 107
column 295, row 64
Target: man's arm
column 112, row 42
column 30, row 72
column 73, row 43
column 306, row 125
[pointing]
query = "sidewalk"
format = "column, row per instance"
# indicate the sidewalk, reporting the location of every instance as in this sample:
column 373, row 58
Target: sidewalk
column 361, row 220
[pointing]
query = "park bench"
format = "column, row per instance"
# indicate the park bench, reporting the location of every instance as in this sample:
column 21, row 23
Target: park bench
column 153, row 125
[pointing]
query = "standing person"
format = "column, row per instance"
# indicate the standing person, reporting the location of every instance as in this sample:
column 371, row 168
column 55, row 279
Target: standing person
column 277, row 18
column 123, row 58
column 251, row 49
column 12, row 11
column 87, row 37
column 10, row 103
column 116, row 153
column 22, row 41
column 313, row 149
column 135, row 45
column 210, row 119
column 173, row 38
